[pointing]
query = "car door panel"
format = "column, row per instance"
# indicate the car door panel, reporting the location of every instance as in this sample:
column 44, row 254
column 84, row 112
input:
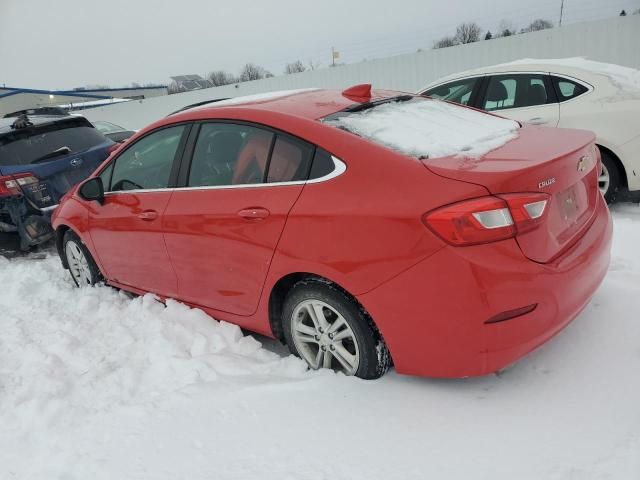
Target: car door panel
column 130, row 243
column 221, row 242
column 127, row 229
column 222, row 229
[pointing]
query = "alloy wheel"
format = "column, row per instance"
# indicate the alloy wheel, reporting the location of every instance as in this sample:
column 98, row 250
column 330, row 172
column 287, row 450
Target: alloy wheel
column 78, row 264
column 323, row 337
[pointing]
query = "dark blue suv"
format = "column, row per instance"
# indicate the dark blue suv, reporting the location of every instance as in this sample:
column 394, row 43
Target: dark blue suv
column 41, row 158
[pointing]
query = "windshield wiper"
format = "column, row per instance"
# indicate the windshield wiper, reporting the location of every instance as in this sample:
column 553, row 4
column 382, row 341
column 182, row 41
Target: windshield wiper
column 59, row 151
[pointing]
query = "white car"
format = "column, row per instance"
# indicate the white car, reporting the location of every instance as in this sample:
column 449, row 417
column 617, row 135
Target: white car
column 570, row 93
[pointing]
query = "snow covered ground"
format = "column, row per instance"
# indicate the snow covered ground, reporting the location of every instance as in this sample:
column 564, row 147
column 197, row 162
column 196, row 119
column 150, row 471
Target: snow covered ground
column 95, row 384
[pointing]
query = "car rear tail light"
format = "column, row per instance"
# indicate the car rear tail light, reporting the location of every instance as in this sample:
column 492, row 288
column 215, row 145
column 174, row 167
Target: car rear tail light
column 10, row 184
column 487, row 219
column 527, row 209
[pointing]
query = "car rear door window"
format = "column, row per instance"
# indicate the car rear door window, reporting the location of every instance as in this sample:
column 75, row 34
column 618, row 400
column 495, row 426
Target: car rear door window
column 517, row 91
column 148, row 162
column 290, row 160
column 567, row 89
column 459, row 91
column 229, row 154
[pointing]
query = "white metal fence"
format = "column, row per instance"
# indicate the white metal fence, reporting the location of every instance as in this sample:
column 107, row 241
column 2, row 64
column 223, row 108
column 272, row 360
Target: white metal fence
column 614, row 40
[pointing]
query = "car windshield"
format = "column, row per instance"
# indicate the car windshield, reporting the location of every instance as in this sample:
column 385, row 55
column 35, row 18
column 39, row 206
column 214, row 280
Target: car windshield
column 25, row 146
column 108, row 127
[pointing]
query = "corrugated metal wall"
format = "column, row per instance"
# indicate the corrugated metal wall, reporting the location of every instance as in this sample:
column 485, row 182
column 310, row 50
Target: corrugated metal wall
column 614, row 40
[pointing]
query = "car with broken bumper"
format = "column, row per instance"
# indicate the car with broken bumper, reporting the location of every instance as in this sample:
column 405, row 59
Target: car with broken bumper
column 362, row 228
column 41, row 158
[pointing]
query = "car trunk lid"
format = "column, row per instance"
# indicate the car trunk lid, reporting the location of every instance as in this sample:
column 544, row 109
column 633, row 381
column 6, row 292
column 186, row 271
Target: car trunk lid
column 561, row 163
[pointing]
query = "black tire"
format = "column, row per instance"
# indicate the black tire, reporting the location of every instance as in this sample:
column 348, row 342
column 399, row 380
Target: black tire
column 374, row 357
column 93, row 275
column 615, row 177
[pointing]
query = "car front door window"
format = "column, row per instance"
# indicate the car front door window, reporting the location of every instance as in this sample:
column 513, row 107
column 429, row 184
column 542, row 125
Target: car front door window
column 147, row 164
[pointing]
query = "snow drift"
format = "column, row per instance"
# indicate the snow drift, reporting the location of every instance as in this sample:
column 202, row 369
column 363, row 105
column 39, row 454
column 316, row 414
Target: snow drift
column 96, row 384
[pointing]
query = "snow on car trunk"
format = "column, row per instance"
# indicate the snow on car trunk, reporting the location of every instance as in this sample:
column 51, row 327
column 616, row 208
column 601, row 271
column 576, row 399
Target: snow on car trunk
column 430, row 128
column 96, row 384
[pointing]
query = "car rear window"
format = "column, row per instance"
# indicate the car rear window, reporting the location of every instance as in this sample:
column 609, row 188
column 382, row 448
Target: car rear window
column 427, row 128
column 29, row 145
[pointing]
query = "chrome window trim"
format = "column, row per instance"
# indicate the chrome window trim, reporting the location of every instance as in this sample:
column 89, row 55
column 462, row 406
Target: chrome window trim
column 339, row 167
column 48, row 209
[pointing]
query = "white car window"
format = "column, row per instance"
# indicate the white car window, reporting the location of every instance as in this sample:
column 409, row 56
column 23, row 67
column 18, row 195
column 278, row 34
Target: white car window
column 517, row 90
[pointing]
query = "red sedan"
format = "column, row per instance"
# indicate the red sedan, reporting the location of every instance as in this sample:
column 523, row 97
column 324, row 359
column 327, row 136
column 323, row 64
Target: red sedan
column 363, row 228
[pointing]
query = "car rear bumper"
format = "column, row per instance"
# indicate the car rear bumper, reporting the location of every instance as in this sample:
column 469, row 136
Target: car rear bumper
column 31, row 223
column 433, row 315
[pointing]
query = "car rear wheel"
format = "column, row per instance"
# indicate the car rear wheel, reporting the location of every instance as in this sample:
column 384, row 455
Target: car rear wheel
column 328, row 329
column 82, row 267
column 609, row 180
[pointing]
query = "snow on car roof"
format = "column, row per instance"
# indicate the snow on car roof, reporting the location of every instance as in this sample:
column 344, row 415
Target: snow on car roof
column 622, row 77
column 259, row 97
column 430, row 128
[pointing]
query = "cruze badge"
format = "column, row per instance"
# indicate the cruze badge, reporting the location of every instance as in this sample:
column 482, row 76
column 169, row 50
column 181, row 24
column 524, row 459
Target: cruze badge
column 76, row 162
column 547, row 182
column 583, row 163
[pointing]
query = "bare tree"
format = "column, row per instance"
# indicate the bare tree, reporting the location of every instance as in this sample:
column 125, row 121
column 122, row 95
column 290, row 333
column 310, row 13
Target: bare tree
column 538, row 24
column 294, row 67
column 251, row 71
column 313, row 66
column 445, row 42
column 220, row 77
column 468, row 32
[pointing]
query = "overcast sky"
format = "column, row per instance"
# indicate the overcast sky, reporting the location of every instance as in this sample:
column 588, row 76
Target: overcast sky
column 70, row 43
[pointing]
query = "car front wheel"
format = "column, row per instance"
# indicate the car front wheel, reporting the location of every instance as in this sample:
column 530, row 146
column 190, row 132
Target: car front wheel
column 82, row 267
column 328, row 329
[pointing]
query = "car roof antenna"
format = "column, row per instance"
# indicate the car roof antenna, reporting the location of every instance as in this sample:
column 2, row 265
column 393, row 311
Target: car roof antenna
column 22, row 122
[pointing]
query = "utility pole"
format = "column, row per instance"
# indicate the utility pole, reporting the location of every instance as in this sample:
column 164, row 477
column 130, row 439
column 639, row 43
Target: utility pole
column 561, row 9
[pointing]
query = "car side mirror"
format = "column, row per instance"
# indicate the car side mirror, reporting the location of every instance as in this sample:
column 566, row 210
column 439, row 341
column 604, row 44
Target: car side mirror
column 92, row 189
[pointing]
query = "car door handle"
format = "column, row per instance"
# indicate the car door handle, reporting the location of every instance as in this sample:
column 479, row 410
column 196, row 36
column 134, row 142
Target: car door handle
column 537, row 121
column 254, row 213
column 148, row 215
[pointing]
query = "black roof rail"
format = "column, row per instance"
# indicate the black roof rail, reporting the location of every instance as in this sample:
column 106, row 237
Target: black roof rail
column 198, row 104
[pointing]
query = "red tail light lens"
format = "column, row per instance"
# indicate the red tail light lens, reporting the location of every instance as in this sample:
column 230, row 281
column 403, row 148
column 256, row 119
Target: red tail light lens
column 10, row 184
column 527, row 209
column 487, row 219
